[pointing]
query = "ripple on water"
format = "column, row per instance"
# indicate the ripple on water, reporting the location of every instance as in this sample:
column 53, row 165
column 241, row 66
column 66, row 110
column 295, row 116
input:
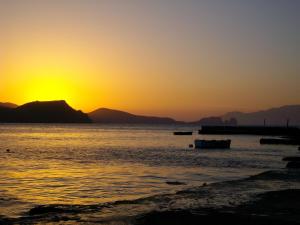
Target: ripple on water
column 89, row 164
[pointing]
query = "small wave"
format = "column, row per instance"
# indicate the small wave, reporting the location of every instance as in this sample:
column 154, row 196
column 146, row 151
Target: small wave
column 182, row 204
column 47, row 209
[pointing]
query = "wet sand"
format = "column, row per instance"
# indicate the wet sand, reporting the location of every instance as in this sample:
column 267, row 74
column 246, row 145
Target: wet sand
column 276, row 207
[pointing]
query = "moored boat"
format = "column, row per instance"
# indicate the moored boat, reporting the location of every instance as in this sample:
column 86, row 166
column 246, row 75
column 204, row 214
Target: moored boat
column 280, row 141
column 212, row 144
column 183, row 133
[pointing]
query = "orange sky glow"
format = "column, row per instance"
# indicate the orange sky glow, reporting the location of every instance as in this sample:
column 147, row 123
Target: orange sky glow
column 182, row 59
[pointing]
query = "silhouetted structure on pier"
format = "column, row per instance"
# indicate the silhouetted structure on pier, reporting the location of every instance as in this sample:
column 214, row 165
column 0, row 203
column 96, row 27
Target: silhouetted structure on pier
column 252, row 130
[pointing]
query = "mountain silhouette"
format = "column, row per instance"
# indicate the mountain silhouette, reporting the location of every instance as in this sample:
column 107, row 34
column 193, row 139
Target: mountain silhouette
column 104, row 115
column 8, row 105
column 272, row 117
column 43, row 112
column 61, row 112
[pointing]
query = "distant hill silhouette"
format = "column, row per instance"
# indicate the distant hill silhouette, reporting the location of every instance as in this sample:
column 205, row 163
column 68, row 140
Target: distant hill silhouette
column 274, row 117
column 61, row 112
column 104, row 115
column 8, row 105
column 43, row 112
column 215, row 121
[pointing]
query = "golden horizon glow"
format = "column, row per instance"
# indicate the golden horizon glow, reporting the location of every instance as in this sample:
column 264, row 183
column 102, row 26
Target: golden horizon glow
column 178, row 60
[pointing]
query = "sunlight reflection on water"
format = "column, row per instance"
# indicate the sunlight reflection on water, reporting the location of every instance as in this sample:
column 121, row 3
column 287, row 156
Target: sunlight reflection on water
column 89, row 164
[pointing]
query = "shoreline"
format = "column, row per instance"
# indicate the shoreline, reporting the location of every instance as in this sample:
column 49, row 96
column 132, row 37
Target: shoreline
column 271, row 208
column 271, row 197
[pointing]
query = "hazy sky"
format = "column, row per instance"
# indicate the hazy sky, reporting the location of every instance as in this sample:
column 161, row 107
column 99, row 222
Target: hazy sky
column 184, row 59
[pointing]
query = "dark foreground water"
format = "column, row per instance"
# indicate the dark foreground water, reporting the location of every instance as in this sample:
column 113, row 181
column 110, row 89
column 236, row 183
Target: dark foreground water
column 84, row 166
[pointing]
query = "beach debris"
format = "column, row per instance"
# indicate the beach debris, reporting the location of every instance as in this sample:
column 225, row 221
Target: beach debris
column 175, row 183
column 8, row 150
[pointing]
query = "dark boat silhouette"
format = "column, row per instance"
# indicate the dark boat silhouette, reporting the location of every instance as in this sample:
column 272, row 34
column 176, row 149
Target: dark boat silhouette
column 251, row 130
column 212, row 144
column 183, row 133
column 280, row 141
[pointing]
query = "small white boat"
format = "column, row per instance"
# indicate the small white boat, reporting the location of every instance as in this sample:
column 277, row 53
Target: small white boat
column 212, row 144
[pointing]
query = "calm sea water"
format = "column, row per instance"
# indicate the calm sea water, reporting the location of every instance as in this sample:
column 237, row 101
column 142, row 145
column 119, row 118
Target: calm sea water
column 90, row 164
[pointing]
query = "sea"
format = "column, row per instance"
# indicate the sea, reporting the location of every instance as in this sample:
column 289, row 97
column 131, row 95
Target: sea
column 95, row 164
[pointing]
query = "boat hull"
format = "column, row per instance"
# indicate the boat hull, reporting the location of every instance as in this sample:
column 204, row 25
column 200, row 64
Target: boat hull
column 183, row 133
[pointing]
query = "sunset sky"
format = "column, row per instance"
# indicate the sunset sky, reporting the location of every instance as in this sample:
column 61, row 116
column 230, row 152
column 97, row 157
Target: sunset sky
column 185, row 59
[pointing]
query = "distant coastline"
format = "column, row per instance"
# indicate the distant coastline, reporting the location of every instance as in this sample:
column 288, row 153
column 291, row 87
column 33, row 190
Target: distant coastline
column 61, row 112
